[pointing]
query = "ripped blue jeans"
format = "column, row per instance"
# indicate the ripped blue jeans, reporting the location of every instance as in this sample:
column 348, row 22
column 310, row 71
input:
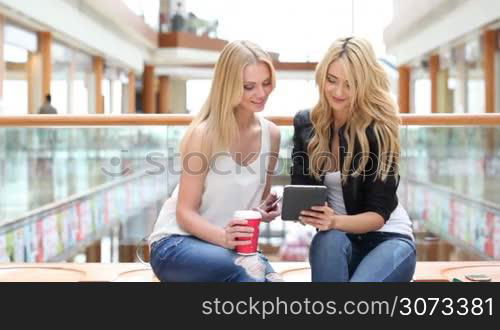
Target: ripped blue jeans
column 179, row 258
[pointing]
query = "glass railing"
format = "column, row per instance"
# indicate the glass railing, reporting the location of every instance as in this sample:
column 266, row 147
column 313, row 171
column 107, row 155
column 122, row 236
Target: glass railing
column 64, row 188
column 451, row 184
column 102, row 181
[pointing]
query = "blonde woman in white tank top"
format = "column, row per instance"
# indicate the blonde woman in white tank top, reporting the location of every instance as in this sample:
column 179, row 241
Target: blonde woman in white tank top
column 228, row 153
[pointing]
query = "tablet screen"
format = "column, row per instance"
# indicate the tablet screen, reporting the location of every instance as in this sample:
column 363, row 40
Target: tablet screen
column 297, row 198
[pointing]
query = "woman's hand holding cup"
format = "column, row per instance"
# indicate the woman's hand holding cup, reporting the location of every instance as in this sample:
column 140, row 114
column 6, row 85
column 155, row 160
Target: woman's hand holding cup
column 237, row 232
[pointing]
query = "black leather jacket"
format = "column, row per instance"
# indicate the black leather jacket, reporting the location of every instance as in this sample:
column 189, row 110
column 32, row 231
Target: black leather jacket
column 362, row 193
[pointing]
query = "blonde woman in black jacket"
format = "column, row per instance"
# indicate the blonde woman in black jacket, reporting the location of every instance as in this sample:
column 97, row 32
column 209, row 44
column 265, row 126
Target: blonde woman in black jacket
column 349, row 142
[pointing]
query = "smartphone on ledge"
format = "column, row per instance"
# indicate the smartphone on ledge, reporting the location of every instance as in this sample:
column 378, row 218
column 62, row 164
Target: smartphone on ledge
column 478, row 277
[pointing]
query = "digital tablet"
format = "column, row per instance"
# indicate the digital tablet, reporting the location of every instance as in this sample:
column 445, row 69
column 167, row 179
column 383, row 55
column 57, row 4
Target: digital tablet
column 297, row 198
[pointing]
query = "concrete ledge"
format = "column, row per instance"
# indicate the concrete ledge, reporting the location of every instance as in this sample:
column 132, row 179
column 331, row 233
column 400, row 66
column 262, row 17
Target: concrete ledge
column 291, row 272
column 425, row 271
column 73, row 272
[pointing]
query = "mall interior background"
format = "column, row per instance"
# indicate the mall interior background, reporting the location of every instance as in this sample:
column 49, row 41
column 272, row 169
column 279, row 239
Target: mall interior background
column 93, row 193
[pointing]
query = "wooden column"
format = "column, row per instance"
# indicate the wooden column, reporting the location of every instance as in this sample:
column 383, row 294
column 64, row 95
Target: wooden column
column 131, row 92
column 30, row 74
column 460, row 105
column 93, row 252
column 148, row 89
column 71, row 83
column 34, row 77
column 98, row 64
column 45, row 48
column 404, row 89
column 490, row 46
column 2, row 60
column 444, row 98
column 127, row 253
column 164, row 95
column 433, row 72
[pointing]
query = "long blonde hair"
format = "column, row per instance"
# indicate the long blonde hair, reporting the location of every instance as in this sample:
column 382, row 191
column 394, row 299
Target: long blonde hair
column 218, row 112
column 371, row 103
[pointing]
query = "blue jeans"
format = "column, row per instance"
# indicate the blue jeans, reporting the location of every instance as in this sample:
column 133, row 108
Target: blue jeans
column 372, row 257
column 179, row 258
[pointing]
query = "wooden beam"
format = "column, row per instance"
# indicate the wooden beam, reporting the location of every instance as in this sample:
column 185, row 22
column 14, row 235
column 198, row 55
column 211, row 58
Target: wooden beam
column 295, row 66
column 490, row 119
column 404, row 89
column 279, row 66
column 190, row 40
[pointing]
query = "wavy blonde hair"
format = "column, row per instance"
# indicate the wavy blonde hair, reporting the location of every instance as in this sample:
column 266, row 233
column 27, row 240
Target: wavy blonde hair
column 371, row 103
column 218, row 112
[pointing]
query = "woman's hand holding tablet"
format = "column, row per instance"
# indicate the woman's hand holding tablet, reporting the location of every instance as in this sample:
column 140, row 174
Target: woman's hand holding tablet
column 297, row 198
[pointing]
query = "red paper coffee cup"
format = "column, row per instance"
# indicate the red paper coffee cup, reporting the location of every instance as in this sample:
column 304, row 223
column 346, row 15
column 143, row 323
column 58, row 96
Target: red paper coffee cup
column 253, row 219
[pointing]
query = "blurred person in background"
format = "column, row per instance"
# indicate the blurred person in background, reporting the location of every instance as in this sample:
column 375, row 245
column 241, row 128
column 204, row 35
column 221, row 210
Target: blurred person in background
column 47, row 108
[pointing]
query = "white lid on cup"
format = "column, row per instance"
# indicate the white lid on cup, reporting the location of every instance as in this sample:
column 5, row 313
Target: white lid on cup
column 247, row 214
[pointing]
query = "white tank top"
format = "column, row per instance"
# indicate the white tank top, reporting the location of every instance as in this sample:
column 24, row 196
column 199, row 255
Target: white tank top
column 228, row 187
column 399, row 221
